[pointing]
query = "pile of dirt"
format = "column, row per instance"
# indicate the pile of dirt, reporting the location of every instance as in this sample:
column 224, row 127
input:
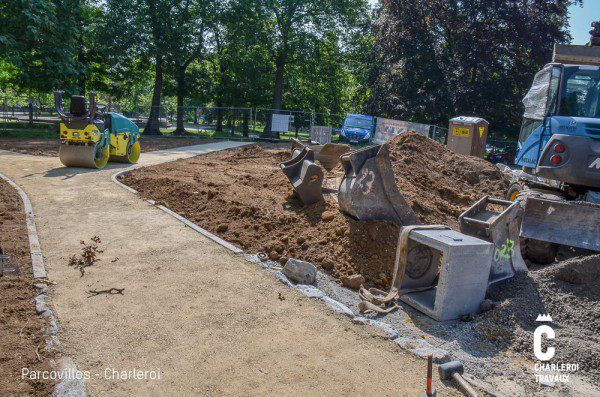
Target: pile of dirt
column 242, row 196
column 21, row 330
column 569, row 291
column 438, row 183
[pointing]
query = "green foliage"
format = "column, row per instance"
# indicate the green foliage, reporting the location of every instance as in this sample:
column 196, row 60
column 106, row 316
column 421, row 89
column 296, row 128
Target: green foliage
column 424, row 60
column 38, row 41
column 435, row 59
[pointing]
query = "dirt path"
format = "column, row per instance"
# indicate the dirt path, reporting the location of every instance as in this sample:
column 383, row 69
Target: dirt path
column 209, row 321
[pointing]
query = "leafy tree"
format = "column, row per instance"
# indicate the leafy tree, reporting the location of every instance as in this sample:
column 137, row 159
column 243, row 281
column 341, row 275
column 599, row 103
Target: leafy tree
column 168, row 33
column 288, row 25
column 435, row 59
column 238, row 67
column 37, row 37
column 188, row 24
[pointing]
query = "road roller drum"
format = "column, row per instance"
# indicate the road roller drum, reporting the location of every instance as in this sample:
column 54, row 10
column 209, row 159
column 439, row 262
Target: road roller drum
column 91, row 156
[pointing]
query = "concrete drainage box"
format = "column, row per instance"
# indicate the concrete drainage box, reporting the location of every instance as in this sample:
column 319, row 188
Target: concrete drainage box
column 464, row 269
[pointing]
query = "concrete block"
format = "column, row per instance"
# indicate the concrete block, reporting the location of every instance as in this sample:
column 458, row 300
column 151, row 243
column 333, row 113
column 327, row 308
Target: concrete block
column 465, row 263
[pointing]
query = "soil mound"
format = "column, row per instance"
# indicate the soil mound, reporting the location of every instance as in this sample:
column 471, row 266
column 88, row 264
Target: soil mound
column 21, row 330
column 242, row 196
column 438, row 183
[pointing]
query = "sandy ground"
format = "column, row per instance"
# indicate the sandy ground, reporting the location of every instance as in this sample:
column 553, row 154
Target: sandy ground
column 49, row 147
column 209, row 321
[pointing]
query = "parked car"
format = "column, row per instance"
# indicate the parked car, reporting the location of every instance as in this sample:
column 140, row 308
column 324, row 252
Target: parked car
column 357, row 128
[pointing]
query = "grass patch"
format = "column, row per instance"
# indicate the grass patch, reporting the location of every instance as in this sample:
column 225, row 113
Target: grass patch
column 26, row 130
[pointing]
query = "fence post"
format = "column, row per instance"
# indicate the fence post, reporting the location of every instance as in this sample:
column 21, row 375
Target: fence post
column 30, row 106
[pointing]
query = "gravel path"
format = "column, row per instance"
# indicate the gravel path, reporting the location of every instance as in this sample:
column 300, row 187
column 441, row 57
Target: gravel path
column 209, row 321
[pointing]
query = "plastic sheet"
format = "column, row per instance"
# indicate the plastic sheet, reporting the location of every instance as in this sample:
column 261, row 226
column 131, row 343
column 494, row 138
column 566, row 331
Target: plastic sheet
column 536, row 100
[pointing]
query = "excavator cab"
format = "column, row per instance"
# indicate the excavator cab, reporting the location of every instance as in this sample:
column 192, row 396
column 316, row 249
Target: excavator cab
column 560, row 134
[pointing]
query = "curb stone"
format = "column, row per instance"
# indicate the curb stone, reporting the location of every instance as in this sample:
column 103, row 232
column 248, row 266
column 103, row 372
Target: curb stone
column 66, row 387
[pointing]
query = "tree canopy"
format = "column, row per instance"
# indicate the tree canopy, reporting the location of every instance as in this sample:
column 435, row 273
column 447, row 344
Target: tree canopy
column 423, row 60
column 435, row 59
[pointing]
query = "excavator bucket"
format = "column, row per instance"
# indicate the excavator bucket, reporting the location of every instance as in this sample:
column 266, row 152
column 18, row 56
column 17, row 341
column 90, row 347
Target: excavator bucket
column 328, row 155
column 368, row 190
column 496, row 221
column 298, row 146
column 306, row 177
column 568, row 223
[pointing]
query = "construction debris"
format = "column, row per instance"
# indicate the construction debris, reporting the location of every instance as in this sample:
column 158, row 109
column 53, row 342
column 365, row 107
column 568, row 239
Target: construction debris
column 247, row 191
column 300, row 271
column 500, row 226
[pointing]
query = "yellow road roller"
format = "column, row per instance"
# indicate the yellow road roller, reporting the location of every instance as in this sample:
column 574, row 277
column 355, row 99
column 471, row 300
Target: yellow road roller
column 91, row 138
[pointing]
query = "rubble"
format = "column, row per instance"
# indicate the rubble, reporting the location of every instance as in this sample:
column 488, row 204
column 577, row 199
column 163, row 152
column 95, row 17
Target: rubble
column 300, row 271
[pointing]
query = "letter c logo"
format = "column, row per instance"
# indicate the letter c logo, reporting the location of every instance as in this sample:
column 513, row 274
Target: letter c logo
column 537, row 343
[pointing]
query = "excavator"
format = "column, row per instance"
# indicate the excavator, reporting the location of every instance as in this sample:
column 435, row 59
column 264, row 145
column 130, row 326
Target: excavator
column 559, row 152
column 90, row 138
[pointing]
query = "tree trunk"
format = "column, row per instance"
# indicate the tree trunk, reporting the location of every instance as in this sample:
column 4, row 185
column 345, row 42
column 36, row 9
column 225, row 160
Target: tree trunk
column 277, row 96
column 180, row 130
column 219, row 127
column 153, row 124
column 278, row 91
column 81, row 77
column 231, row 122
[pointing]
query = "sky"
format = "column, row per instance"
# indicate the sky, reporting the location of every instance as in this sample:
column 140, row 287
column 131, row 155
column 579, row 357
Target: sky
column 581, row 19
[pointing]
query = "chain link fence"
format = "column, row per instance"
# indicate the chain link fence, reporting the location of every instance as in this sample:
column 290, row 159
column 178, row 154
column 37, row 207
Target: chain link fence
column 20, row 112
column 285, row 124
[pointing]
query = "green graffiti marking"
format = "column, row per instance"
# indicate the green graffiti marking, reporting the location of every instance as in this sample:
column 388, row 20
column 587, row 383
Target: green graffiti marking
column 505, row 252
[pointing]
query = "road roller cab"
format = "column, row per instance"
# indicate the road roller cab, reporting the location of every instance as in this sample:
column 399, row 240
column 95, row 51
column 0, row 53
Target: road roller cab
column 90, row 138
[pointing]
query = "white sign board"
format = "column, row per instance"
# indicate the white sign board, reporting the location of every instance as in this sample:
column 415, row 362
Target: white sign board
column 387, row 129
column 280, row 122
